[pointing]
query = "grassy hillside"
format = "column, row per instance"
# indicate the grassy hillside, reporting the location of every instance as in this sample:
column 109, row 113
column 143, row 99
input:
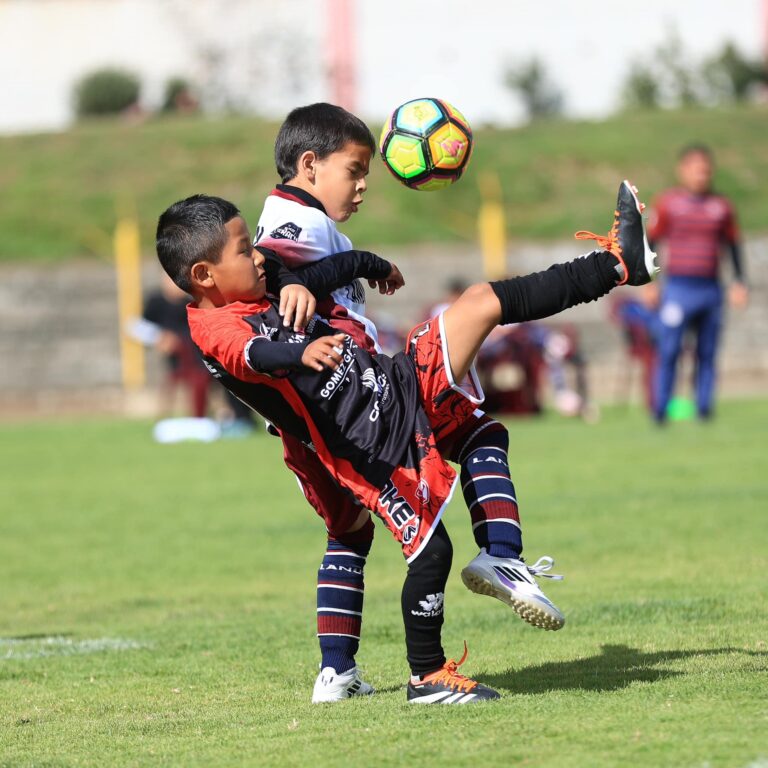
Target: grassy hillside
column 61, row 192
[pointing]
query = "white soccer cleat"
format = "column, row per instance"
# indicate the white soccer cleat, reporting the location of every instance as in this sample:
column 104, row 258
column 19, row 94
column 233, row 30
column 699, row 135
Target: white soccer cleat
column 331, row 686
column 512, row 581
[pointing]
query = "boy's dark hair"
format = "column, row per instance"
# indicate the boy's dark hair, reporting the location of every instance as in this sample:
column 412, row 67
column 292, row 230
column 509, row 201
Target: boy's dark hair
column 695, row 149
column 321, row 128
column 192, row 230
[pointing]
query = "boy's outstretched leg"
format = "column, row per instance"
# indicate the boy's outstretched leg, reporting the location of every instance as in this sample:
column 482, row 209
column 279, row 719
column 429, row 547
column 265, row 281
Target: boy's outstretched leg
column 625, row 258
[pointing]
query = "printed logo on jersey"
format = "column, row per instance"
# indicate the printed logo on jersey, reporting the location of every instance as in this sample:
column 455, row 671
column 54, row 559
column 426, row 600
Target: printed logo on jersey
column 339, row 377
column 379, row 386
column 422, row 492
column 287, row 231
column 267, row 330
column 397, row 509
column 212, row 369
column 432, row 606
column 410, row 531
column 356, row 292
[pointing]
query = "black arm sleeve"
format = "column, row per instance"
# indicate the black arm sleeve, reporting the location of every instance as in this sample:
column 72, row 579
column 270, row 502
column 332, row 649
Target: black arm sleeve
column 278, row 275
column 267, row 356
column 332, row 272
column 738, row 262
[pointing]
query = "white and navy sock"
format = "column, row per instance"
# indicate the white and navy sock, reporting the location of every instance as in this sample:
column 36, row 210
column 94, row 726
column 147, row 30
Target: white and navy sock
column 489, row 493
column 340, row 591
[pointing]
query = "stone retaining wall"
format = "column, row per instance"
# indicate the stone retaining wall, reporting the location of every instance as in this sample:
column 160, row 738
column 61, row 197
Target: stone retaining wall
column 59, row 343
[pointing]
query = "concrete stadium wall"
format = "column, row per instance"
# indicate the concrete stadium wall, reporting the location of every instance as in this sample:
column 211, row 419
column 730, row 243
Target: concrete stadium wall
column 60, row 346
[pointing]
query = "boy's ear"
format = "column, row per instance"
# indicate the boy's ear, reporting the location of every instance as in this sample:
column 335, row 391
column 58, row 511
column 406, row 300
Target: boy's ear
column 201, row 275
column 306, row 166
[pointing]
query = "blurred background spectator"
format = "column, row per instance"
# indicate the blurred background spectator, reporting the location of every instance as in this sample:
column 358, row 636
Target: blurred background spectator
column 695, row 225
column 163, row 326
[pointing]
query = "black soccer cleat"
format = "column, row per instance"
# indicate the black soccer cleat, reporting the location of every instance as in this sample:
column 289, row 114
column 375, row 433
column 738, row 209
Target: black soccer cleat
column 627, row 240
column 447, row 686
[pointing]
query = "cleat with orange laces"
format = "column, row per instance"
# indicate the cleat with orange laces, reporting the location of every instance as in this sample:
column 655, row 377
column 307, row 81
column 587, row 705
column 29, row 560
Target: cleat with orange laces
column 627, row 240
column 447, row 686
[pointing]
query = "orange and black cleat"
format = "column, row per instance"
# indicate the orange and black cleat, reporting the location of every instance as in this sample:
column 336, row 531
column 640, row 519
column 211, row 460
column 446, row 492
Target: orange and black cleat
column 627, row 240
column 447, row 686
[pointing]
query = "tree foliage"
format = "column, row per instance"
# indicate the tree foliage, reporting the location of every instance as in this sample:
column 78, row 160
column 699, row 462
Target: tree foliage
column 106, row 92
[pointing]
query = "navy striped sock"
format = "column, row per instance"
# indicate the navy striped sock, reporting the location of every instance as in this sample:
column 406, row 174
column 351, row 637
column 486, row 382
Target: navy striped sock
column 490, row 496
column 340, row 589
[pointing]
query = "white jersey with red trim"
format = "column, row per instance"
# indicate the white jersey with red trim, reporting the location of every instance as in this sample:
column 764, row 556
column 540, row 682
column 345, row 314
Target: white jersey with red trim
column 295, row 225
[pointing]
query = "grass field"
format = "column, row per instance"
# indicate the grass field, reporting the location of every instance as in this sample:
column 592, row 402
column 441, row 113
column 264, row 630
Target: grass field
column 62, row 192
column 157, row 606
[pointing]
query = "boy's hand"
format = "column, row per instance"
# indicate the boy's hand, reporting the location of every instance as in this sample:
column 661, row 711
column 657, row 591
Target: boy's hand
column 390, row 283
column 324, row 352
column 297, row 305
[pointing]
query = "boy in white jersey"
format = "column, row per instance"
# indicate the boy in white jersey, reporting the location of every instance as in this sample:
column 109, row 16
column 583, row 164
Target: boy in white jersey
column 323, row 154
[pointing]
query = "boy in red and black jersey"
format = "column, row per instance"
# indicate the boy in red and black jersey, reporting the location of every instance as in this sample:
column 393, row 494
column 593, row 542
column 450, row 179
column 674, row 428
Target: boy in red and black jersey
column 376, row 422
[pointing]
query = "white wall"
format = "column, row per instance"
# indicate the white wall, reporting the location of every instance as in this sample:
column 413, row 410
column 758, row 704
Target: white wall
column 269, row 54
column 459, row 49
column 249, row 48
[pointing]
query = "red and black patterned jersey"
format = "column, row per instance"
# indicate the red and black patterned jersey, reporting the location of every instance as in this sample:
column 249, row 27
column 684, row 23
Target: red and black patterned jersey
column 360, row 418
column 695, row 228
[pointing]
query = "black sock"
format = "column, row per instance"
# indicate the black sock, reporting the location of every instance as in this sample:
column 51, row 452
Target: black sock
column 543, row 294
column 422, row 603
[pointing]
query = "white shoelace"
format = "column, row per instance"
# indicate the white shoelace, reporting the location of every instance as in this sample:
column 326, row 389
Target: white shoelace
column 541, row 567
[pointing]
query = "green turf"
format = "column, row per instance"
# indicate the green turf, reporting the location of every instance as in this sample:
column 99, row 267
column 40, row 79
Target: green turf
column 62, row 192
column 157, row 606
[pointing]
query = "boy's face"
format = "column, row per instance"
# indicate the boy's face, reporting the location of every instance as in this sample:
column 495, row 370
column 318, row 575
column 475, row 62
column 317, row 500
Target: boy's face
column 239, row 273
column 338, row 181
column 695, row 172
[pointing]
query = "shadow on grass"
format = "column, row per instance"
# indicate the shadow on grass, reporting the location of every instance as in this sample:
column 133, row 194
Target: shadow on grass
column 615, row 667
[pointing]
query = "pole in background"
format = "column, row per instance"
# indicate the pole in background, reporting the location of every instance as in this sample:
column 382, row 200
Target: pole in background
column 128, row 268
column 342, row 65
column 491, row 227
column 765, row 32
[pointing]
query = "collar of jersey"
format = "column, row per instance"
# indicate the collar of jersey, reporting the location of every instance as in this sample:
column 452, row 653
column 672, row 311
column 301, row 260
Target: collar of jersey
column 235, row 308
column 299, row 195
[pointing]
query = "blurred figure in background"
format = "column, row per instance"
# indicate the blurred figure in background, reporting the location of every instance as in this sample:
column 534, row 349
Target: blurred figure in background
column 515, row 360
column 453, row 289
column 638, row 321
column 694, row 223
column 164, row 326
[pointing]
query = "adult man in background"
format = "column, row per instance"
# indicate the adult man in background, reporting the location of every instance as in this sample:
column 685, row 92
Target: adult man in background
column 696, row 224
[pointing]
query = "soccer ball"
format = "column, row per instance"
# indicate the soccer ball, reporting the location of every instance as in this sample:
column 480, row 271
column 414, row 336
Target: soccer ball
column 426, row 144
